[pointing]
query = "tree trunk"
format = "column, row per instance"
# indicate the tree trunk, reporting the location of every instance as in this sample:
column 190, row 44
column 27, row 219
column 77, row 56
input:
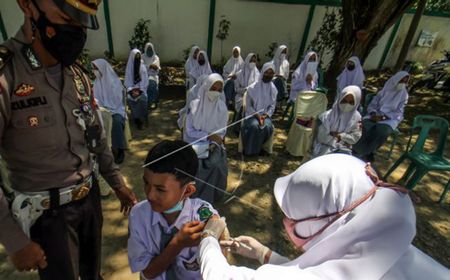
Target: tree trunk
column 409, row 36
column 364, row 22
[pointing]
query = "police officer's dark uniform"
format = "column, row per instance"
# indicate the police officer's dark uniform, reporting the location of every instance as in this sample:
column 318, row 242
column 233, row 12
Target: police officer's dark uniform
column 49, row 131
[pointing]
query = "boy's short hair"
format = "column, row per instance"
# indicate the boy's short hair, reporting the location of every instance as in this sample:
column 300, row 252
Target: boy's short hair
column 185, row 160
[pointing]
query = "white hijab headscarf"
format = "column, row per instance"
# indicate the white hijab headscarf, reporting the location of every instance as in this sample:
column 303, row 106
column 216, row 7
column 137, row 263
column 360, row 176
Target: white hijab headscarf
column 390, row 98
column 130, row 82
column 193, row 93
column 339, row 121
column 233, row 65
column 263, row 95
column 108, row 89
column 299, row 75
column 199, row 70
column 191, row 61
column 150, row 60
column 365, row 243
column 248, row 75
column 209, row 116
column 355, row 77
column 281, row 65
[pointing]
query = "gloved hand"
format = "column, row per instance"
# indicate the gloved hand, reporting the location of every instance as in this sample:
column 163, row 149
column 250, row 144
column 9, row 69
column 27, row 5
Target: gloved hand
column 248, row 247
column 214, row 227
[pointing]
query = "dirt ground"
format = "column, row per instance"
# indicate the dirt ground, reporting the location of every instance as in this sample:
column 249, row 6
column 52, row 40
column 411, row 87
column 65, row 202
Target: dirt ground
column 251, row 179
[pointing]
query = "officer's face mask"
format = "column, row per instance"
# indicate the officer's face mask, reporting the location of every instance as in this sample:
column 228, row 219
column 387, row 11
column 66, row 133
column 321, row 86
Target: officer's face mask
column 63, row 41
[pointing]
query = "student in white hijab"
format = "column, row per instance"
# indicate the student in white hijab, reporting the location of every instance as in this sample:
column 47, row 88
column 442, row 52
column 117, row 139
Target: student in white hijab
column 190, row 96
column 349, row 223
column 109, row 94
column 352, row 75
column 260, row 102
column 202, row 67
column 233, row 66
column 340, row 126
column 305, row 77
column 190, row 64
column 136, row 83
column 281, row 71
column 151, row 61
column 247, row 76
column 207, row 115
column 384, row 114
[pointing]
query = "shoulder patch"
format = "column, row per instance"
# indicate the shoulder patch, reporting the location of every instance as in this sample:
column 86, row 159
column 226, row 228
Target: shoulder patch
column 204, row 212
column 5, row 56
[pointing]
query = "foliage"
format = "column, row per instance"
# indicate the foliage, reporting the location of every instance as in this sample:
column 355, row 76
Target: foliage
column 186, row 52
column 437, row 5
column 85, row 60
column 222, row 35
column 141, row 35
column 326, row 38
column 414, row 67
column 272, row 48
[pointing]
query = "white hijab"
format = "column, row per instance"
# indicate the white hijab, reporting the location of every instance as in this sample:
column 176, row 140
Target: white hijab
column 390, row 98
column 234, row 64
column 199, row 70
column 336, row 120
column 209, row 116
column 193, row 93
column 365, row 243
column 154, row 59
column 262, row 94
column 299, row 75
column 281, row 65
column 355, row 77
column 108, row 89
column 129, row 73
column 191, row 61
column 248, row 75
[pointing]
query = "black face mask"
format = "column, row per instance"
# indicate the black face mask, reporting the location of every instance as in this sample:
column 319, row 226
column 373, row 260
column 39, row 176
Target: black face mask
column 201, row 62
column 137, row 69
column 351, row 67
column 64, row 42
column 266, row 79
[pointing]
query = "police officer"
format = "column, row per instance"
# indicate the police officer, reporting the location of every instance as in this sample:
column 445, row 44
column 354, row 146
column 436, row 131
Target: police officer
column 50, row 135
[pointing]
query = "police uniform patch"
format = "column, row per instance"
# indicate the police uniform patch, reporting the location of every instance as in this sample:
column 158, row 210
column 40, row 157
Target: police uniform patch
column 24, row 90
column 204, row 212
column 33, row 121
column 31, row 58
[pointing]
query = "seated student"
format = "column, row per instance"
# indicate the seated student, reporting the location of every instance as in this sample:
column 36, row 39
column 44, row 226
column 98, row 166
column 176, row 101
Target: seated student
column 191, row 95
column 260, row 102
column 136, row 82
column 165, row 229
column 208, row 114
column 151, row 61
column 190, row 64
column 352, row 75
column 341, row 126
column 281, row 65
column 384, row 114
column 305, row 77
column 109, row 95
column 230, row 70
column 202, row 67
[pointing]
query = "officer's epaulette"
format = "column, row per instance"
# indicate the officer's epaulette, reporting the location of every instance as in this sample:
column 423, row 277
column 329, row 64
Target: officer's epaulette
column 5, row 56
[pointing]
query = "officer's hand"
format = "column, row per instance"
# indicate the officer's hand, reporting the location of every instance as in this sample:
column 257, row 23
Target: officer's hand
column 127, row 199
column 29, row 258
column 190, row 234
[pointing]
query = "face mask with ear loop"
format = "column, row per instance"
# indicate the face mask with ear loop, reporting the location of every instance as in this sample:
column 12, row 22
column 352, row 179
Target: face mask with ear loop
column 179, row 205
column 63, row 41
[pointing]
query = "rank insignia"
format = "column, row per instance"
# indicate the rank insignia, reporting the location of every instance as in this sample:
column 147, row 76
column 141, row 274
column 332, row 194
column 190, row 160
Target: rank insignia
column 33, row 121
column 31, row 58
column 24, row 90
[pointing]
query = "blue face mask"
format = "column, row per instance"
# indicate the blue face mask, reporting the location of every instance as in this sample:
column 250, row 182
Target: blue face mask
column 176, row 208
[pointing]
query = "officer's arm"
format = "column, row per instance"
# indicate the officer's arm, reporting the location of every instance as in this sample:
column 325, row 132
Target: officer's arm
column 11, row 235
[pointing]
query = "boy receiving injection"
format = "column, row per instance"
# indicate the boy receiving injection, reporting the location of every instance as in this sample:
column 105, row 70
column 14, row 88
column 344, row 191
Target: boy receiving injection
column 165, row 230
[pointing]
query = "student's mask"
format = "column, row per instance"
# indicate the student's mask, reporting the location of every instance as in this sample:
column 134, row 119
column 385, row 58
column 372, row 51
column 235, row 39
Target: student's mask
column 149, row 52
column 63, row 41
column 346, row 107
column 252, row 65
column 350, row 67
column 311, row 68
column 177, row 207
column 213, row 95
column 400, row 86
column 283, row 56
column 201, row 62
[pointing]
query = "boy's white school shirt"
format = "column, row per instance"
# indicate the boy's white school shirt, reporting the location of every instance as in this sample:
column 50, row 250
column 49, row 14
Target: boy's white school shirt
column 145, row 236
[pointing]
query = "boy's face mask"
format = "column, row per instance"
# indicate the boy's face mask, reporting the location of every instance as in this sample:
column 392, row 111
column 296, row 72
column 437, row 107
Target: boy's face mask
column 179, row 205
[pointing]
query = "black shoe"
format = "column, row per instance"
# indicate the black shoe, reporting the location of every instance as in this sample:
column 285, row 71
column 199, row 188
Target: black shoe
column 119, row 156
column 139, row 124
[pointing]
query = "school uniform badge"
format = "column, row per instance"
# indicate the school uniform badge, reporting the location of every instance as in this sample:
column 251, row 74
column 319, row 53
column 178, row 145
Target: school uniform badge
column 204, row 213
column 24, row 90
